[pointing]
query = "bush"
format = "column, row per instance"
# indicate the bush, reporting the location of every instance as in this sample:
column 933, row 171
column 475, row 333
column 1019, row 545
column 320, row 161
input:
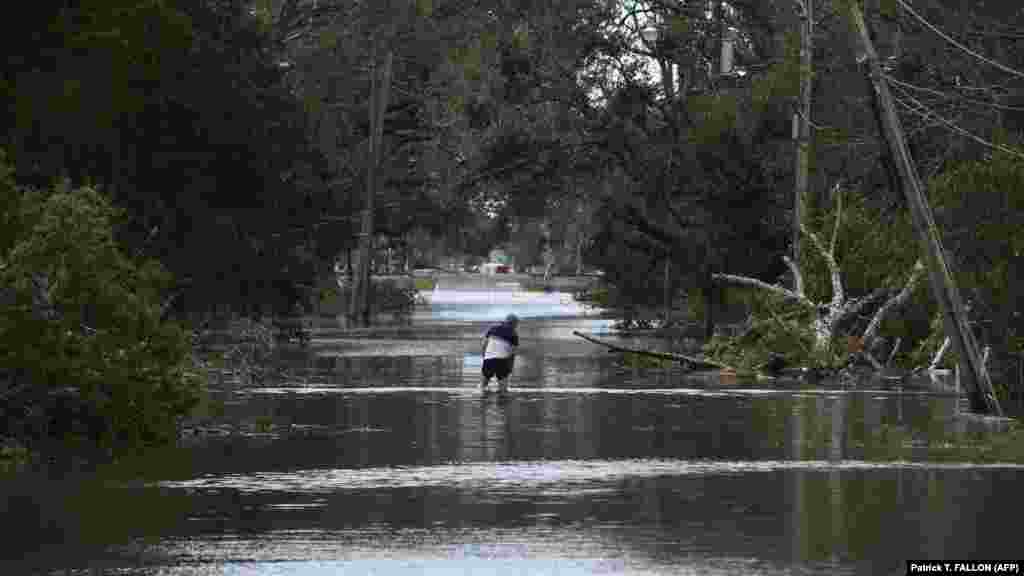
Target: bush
column 88, row 357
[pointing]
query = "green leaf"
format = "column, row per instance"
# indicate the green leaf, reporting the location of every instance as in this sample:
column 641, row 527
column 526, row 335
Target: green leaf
column 489, row 41
column 328, row 39
column 889, row 8
column 456, row 104
column 679, row 25
column 424, row 8
column 312, row 104
column 521, row 38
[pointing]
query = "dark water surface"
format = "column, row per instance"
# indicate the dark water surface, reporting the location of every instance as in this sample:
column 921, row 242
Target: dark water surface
column 377, row 455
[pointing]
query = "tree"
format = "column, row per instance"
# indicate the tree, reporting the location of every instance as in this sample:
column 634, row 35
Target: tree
column 831, row 311
column 86, row 355
column 176, row 109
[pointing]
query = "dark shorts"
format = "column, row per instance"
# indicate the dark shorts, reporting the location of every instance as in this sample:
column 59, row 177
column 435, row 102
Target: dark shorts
column 498, row 368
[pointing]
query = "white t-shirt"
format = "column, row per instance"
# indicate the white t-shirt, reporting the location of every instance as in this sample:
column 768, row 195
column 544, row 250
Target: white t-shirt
column 501, row 342
column 498, row 348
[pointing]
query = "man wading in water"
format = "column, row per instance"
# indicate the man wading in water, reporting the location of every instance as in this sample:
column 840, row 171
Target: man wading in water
column 499, row 352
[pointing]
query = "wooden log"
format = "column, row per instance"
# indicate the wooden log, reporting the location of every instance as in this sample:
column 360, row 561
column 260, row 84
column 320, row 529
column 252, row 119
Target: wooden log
column 698, row 363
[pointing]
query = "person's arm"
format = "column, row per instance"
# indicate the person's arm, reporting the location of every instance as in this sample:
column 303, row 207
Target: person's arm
column 483, row 346
column 515, row 348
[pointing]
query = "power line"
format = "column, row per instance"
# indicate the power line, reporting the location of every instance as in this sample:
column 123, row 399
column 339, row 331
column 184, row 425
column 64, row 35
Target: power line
column 951, row 96
column 922, row 110
column 954, row 42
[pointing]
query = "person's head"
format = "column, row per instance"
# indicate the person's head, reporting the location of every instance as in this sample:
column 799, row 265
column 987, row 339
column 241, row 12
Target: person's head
column 512, row 320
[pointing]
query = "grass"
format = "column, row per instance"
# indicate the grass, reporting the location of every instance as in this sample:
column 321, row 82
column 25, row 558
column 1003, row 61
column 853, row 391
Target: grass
column 895, row 443
column 424, row 284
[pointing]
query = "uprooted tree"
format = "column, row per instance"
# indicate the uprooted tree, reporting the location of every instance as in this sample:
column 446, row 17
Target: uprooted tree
column 820, row 310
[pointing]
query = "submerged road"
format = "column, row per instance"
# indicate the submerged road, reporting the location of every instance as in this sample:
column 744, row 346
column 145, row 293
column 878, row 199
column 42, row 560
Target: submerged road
column 376, row 455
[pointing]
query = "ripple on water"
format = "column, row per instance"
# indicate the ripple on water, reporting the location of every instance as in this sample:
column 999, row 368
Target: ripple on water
column 537, row 551
column 302, row 388
column 533, row 477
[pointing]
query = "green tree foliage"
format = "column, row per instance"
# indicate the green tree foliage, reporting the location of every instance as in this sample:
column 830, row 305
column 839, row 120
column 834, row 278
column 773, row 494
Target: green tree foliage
column 875, row 247
column 177, row 109
column 84, row 350
column 979, row 206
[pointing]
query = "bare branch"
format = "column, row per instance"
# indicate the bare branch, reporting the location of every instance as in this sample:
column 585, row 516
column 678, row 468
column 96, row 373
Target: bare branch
column 838, row 193
column 874, row 361
column 854, row 306
column 894, row 302
column 837, row 281
column 895, row 348
column 774, row 288
column 939, row 354
column 798, row 278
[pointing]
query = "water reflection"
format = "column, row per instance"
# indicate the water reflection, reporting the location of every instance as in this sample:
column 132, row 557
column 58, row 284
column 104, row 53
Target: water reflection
column 377, row 454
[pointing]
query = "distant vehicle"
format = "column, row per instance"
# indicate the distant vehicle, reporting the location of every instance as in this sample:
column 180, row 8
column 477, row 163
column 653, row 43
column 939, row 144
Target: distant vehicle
column 426, row 272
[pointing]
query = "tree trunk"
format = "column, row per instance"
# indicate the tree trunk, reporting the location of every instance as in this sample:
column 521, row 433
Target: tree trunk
column 709, row 299
column 801, row 123
column 380, row 84
column 668, row 294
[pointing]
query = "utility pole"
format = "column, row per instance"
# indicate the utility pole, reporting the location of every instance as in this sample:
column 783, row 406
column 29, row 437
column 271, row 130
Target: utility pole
column 802, row 122
column 944, row 287
column 380, row 84
column 668, row 294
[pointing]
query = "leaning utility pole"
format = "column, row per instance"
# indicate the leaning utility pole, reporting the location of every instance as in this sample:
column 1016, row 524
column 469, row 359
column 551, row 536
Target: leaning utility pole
column 380, row 84
column 802, row 122
column 944, row 288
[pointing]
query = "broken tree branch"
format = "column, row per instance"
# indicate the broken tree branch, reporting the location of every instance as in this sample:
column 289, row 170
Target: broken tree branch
column 833, row 267
column 939, row 354
column 895, row 348
column 874, row 361
column 697, row 362
column 839, row 216
column 774, row 288
column 896, row 301
column 798, row 278
column 857, row 305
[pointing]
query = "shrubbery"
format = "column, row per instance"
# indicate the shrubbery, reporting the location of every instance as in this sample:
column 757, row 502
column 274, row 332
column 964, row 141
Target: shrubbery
column 85, row 354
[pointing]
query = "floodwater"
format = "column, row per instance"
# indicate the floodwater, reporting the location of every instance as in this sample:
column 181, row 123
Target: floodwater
column 378, row 455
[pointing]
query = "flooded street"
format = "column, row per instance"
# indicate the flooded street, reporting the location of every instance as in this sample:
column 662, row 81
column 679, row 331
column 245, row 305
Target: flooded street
column 379, row 455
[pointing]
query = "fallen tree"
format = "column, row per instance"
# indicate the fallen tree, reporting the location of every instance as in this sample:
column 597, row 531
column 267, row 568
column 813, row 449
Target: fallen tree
column 827, row 317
